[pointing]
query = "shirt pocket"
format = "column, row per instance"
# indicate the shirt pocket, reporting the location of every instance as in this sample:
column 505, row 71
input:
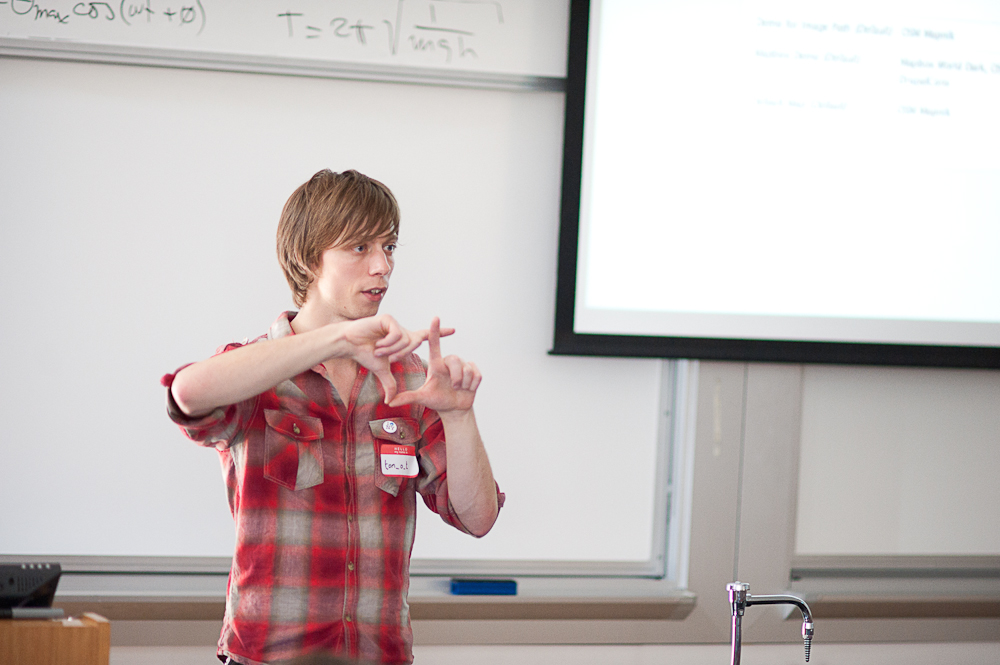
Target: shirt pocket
column 293, row 447
column 401, row 431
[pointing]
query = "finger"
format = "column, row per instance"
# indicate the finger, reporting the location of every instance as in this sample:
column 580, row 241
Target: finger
column 434, row 339
column 388, row 382
column 455, row 370
column 426, row 333
column 416, row 338
column 404, row 398
column 406, row 350
column 470, row 375
column 393, row 333
column 380, row 350
column 393, row 351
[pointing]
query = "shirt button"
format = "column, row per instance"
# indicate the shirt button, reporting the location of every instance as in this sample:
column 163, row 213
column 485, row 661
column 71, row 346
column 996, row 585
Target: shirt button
column 350, row 565
column 295, row 428
column 348, row 617
column 350, row 518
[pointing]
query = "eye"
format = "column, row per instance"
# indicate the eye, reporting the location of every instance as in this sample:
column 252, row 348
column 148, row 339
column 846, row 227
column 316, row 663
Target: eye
column 390, row 248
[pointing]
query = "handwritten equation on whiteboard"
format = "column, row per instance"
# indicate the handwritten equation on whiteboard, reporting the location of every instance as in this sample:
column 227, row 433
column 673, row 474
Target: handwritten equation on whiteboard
column 486, row 35
column 450, row 38
column 52, row 18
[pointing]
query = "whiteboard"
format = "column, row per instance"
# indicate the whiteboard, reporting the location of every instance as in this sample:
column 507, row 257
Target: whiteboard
column 139, row 208
column 470, row 42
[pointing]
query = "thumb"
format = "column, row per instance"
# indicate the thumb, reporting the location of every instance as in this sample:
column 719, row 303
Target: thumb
column 388, row 382
column 404, row 398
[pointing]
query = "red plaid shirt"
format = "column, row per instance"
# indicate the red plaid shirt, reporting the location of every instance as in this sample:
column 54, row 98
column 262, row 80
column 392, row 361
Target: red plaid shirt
column 323, row 538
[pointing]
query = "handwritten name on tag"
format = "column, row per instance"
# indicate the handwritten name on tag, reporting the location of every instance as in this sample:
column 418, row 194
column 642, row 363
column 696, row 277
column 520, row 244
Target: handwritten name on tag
column 399, row 461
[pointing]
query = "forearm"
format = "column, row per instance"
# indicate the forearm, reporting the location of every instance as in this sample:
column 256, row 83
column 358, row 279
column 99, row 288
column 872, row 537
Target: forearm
column 471, row 487
column 250, row 370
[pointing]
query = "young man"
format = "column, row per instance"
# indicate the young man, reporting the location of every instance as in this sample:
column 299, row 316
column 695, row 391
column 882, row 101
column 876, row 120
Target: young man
column 327, row 427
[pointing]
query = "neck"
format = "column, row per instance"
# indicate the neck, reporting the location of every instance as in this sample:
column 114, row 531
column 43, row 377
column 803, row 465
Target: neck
column 341, row 371
column 312, row 317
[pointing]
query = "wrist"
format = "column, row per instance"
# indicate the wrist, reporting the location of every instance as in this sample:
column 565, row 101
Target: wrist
column 457, row 417
column 337, row 344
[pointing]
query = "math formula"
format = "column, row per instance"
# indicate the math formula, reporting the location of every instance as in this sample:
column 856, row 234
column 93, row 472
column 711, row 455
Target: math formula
column 422, row 32
column 121, row 12
column 443, row 28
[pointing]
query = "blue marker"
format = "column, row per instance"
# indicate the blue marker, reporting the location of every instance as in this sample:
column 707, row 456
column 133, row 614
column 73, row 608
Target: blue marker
column 481, row 587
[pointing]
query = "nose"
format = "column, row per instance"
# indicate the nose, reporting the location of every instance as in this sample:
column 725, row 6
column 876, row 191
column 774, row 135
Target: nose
column 380, row 263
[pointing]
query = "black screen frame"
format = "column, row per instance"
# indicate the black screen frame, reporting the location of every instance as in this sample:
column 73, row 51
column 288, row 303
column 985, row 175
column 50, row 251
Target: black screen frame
column 568, row 342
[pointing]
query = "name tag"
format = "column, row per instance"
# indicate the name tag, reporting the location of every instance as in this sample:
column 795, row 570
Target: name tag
column 399, row 461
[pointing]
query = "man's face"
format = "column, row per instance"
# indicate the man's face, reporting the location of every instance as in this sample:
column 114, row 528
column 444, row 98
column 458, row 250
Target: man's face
column 352, row 278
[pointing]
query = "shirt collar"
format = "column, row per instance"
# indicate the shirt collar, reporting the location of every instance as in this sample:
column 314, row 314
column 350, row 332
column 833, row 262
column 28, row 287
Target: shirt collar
column 282, row 327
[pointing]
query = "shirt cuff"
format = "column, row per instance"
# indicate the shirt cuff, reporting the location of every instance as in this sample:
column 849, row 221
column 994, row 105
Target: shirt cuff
column 457, row 521
column 181, row 418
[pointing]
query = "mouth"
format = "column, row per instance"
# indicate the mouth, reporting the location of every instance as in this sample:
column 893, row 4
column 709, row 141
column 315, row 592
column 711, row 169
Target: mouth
column 374, row 295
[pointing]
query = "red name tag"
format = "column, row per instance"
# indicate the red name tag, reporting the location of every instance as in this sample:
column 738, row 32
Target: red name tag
column 399, row 461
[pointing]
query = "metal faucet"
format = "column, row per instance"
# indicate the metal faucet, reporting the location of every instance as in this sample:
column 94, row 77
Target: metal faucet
column 740, row 599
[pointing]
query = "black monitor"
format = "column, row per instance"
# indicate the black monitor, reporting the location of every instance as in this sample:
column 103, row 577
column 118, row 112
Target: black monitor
column 28, row 584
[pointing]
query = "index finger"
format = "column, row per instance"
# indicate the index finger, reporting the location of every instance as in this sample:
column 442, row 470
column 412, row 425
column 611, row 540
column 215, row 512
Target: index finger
column 434, row 339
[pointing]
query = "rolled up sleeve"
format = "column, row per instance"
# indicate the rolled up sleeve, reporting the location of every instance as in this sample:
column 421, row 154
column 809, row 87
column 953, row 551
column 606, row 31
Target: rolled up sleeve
column 218, row 429
column 432, row 482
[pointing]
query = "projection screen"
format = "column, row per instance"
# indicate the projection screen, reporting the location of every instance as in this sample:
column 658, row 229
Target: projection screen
column 790, row 181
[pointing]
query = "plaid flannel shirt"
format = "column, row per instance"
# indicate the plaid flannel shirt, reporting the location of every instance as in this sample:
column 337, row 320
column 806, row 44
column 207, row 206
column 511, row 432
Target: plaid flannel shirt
column 323, row 538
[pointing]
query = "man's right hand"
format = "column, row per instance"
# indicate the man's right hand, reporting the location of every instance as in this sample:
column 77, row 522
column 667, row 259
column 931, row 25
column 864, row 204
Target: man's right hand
column 377, row 341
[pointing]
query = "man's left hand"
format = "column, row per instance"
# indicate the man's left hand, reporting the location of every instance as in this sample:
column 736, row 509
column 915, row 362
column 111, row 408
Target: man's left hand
column 451, row 382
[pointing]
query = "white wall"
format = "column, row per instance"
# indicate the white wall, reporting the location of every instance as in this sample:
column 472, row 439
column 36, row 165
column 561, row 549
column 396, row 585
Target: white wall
column 899, row 461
